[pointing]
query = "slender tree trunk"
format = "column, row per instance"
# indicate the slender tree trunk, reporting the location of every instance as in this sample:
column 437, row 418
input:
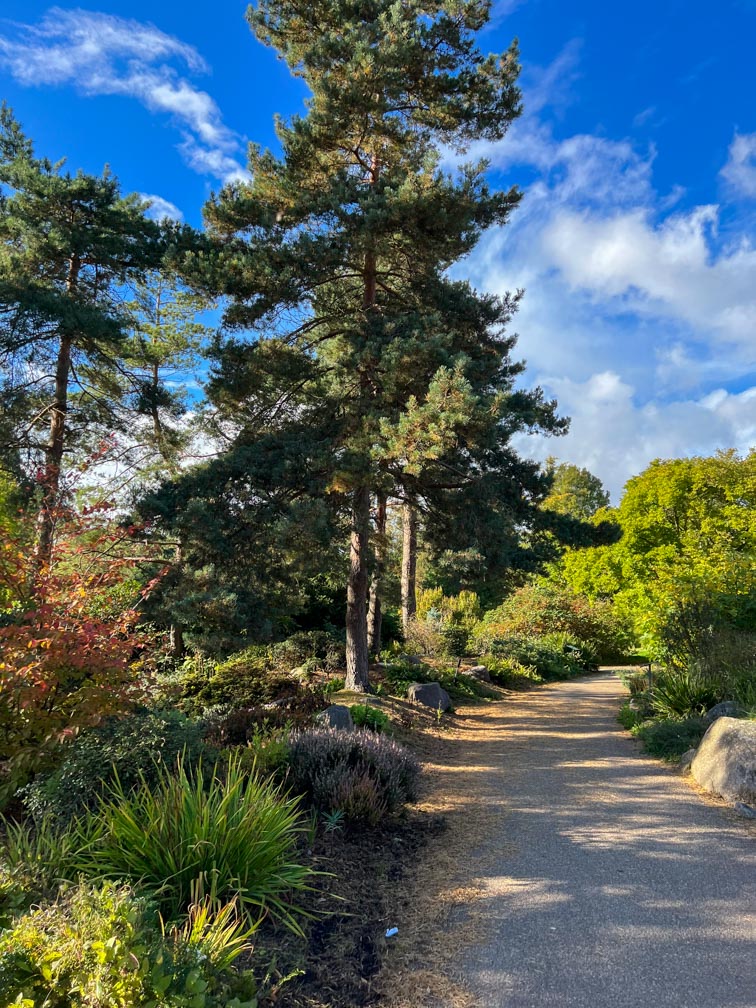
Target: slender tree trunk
column 375, row 614
column 177, row 645
column 56, row 440
column 357, row 674
column 409, row 565
column 357, row 656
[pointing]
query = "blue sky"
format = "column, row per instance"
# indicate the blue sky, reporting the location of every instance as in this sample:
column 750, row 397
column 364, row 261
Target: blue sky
column 636, row 240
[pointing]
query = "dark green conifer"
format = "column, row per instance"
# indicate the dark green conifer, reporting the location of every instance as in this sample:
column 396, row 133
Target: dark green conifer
column 337, row 251
column 68, row 244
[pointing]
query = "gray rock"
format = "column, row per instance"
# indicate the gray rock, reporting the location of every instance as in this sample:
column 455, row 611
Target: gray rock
column 686, row 759
column 410, row 659
column 728, row 708
column 430, row 695
column 725, row 762
column 744, row 810
column 478, row 672
column 336, row 716
column 277, row 704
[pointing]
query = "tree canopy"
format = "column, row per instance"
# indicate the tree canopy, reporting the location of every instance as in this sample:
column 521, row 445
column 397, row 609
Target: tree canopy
column 335, row 257
column 688, row 546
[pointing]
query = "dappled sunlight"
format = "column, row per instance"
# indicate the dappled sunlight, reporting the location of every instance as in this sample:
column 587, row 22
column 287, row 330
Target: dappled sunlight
column 562, row 835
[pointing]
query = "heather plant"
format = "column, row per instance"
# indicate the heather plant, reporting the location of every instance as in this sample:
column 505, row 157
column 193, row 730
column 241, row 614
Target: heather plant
column 364, row 775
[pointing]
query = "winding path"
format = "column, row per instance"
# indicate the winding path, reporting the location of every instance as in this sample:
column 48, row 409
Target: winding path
column 603, row 880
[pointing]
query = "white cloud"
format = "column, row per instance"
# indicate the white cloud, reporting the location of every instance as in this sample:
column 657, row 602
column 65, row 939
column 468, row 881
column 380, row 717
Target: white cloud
column 660, row 269
column 616, row 435
column 638, row 312
column 740, row 170
column 107, row 55
column 161, row 208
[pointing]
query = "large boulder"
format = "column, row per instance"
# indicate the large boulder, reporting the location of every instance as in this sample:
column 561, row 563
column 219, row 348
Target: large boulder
column 478, row 672
column 336, row 716
column 429, row 694
column 725, row 763
column 410, row 659
column 728, row 708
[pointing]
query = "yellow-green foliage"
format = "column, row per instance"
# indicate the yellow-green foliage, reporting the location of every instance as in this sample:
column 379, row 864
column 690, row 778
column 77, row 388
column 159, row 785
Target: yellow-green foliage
column 103, row 947
column 463, row 609
column 686, row 556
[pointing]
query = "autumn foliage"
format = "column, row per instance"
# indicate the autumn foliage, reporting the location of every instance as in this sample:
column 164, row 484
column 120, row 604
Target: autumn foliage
column 69, row 639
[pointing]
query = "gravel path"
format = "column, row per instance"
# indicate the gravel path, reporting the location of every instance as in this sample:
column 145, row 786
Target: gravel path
column 605, row 881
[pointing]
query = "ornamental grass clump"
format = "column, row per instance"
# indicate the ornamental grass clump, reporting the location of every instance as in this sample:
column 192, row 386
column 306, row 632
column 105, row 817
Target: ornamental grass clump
column 361, row 774
column 230, row 837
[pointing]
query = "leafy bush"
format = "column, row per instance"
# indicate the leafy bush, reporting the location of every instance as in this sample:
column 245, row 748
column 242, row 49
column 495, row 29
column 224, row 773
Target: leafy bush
column 67, row 653
column 541, row 608
column 266, row 751
column 363, row 775
column 365, row 716
column 398, row 676
column 103, row 946
column 424, row 637
column 629, row 717
column 234, row 836
column 545, row 657
column 131, row 748
column 669, row 738
column 510, row 673
column 455, row 639
column 636, row 682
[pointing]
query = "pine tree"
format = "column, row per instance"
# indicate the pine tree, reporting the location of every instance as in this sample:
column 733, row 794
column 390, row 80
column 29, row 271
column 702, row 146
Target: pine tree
column 337, row 251
column 68, row 244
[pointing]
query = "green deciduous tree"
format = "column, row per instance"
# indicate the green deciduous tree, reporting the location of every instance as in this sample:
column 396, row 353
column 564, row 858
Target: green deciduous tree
column 575, row 491
column 687, row 556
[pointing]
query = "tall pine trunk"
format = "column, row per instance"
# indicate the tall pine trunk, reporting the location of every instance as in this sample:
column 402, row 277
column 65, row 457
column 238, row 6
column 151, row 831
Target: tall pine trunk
column 357, row 655
column 56, row 440
column 357, row 660
column 409, row 565
column 375, row 614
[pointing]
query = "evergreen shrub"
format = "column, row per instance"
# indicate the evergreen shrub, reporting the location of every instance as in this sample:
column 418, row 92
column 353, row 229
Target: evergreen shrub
column 245, row 679
column 669, row 738
column 360, row 774
column 324, row 649
column 131, row 748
